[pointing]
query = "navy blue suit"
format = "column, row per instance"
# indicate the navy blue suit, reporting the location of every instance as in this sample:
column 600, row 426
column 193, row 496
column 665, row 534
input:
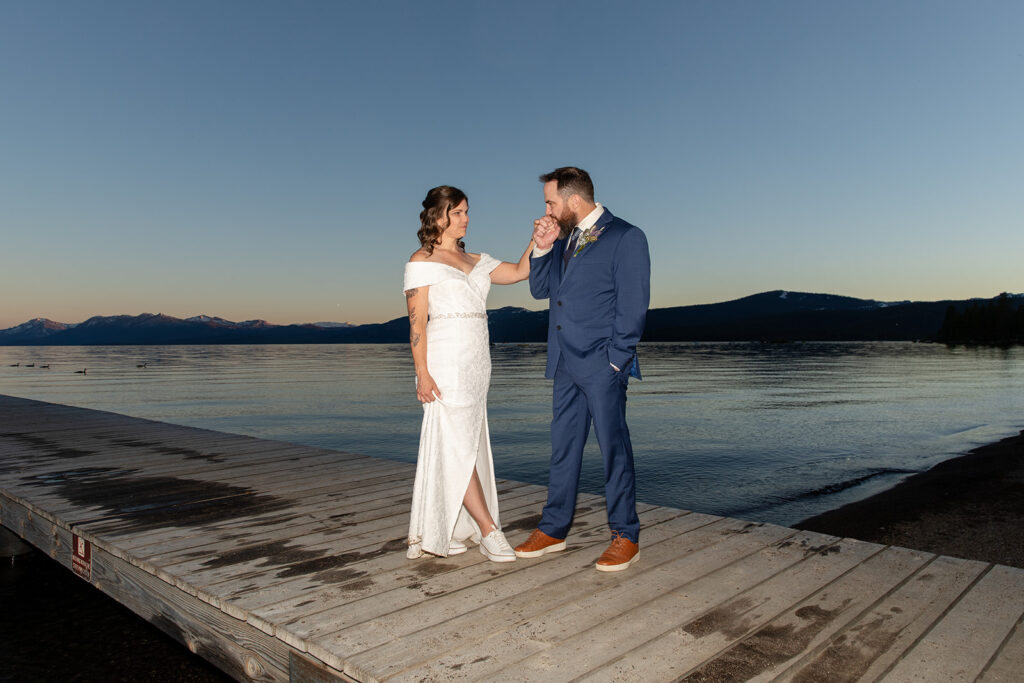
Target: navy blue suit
column 598, row 305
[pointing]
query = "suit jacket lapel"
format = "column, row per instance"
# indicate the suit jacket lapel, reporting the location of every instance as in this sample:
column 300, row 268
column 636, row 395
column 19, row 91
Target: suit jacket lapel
column 604, row 219
column 557, row 251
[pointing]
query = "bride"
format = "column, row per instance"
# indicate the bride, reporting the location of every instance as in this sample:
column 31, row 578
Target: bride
column 454, row 497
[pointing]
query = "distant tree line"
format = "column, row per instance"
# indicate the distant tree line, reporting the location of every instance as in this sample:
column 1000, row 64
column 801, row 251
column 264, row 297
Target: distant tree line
column 997, row 321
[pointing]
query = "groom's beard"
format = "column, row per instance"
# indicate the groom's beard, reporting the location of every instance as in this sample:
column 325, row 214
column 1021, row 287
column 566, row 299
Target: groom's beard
column 566, row 224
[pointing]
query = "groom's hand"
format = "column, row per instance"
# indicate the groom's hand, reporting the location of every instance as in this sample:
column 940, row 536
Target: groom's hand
column 545, row 232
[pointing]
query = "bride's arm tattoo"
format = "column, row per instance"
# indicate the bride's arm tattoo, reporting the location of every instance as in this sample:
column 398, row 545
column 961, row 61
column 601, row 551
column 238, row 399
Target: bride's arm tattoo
column 416, row 300
column 414, row 336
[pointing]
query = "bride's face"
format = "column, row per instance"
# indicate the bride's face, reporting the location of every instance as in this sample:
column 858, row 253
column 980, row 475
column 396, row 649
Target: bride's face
column 458, row 220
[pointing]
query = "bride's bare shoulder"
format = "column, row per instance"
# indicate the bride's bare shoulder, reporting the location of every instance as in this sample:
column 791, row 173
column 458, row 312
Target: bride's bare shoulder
column 419, row 255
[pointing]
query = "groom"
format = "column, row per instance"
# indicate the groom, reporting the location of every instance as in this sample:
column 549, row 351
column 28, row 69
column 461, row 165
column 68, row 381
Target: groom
column 595, row 269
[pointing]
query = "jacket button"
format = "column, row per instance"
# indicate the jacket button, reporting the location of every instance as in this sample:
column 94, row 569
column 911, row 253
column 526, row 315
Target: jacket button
column 559, row 303
column 558, row 327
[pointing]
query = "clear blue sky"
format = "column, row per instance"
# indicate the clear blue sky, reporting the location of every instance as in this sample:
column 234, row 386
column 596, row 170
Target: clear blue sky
column 268, row 159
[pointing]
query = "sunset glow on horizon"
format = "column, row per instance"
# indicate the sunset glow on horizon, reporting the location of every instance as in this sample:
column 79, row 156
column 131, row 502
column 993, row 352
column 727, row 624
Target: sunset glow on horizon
column 267, row 161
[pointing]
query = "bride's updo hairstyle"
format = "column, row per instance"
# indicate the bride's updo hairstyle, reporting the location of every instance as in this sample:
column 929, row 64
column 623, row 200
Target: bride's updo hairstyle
column 434, row 216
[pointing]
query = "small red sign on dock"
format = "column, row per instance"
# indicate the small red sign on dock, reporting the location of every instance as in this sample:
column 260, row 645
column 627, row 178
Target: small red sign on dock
column 81, row 557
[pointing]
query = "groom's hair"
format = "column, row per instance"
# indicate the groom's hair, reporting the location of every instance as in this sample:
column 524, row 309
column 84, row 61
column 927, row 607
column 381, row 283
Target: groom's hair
column 571, row 180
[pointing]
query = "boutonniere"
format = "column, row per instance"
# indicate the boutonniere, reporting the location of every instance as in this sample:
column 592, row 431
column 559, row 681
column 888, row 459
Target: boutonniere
column 589, row 238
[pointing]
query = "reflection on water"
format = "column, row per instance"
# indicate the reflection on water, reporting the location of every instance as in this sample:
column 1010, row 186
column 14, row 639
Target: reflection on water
column 765, row 432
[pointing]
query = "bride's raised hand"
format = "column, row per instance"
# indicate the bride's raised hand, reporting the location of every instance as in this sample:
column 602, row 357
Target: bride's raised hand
column 426, row 389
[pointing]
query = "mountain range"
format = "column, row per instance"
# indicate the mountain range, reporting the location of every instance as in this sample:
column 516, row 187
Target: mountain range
column 769, row 316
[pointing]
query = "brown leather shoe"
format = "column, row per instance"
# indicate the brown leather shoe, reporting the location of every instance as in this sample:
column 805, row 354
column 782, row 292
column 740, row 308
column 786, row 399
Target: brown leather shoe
column 539, row 543
column 620, row 554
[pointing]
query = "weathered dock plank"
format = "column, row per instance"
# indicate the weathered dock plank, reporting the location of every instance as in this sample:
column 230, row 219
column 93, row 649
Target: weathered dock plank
column 681, row 644
column 960, row 646
column 619, row 618
column 281, row 562
column 1008, row 663
column 361, row 571
column 490, row 640
column 875, row 641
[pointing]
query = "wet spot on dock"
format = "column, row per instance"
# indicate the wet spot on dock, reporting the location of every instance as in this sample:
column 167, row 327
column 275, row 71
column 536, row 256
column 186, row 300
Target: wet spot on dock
column 326, row 569
column 322, row 565
column 339, row 575
column 823, row 550
column 768, row 647
column 360, row 585
column 727, row 619
column 525, row 524
column 428, row 568
column 156, row 447
column 132, row 501
column 276, row 549
column 46, row 447
column 194, row 555
column 294, row 561
column 852, row 655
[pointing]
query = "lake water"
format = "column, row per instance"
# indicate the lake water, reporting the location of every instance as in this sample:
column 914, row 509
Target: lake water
column 771, row 433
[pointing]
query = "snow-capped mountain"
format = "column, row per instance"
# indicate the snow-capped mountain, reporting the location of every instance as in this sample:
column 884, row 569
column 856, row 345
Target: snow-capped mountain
column 221, row 322
column 37, row 328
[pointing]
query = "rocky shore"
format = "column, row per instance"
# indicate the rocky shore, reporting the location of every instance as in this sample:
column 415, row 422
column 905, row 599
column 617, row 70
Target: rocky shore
column 970, row 507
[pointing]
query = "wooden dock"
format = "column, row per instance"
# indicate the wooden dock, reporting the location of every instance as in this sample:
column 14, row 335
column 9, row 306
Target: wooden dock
column 283, row 562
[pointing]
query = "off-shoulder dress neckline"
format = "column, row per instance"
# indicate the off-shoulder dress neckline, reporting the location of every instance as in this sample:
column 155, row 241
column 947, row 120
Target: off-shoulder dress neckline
column 464, row 272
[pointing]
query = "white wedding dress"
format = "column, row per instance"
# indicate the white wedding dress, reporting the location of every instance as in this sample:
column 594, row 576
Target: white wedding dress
column 454, row 437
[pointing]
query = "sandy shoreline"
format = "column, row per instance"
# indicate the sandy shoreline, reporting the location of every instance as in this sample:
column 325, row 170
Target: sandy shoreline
column 970, row 507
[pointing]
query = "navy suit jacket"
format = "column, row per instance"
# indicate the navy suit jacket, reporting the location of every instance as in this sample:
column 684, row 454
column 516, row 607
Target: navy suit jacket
column 598, row 305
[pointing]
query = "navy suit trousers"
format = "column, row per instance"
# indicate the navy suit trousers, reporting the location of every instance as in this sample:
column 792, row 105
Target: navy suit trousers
column 599, row 398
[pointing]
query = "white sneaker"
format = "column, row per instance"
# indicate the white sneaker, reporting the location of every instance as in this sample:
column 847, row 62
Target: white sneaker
column 456, row 547
column 495, row 547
